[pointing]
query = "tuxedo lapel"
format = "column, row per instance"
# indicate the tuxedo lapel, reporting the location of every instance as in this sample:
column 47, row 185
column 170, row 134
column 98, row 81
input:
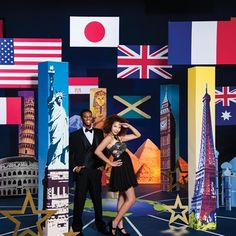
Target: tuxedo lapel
column 95, row 138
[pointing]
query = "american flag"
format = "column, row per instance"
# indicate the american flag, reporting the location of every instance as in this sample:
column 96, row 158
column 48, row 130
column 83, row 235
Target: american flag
column 225, row 98
column 19, row 58
column 143, row 62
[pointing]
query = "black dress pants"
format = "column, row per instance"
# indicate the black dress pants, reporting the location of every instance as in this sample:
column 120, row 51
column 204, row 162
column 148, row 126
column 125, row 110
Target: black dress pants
column 88, row 180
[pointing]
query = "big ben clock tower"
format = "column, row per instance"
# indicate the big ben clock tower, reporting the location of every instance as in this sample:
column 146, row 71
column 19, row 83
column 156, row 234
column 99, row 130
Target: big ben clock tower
column 167, row 144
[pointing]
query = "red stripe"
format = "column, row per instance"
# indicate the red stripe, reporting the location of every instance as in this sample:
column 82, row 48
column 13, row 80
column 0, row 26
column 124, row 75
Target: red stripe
column 37, row 55
column 38, row 47
column 26, row 63
column 19, row 78
column 18, row 71
column 13, row 109
column 142, row 62
column 37, row 40
column 121, row 48
column 226, row 46
column 128, row 72
column 18, row 86
column 83, row 81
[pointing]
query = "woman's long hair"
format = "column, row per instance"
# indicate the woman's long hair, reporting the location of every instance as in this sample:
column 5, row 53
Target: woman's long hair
column 109, row 122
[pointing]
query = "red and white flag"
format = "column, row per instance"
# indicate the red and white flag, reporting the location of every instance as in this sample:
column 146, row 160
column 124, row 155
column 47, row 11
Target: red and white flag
column 10, row 110
column 20, row 57
column 82, row 85
column 94, row 31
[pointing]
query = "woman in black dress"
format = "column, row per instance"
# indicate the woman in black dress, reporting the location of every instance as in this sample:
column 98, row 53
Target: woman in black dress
column 122, row 179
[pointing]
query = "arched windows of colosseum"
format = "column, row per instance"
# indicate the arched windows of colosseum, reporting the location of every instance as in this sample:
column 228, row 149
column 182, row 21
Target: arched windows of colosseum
column 0, row 175
column 4, row 192
column 19, row 191
column 14, row 181
column 33, row 181
column 4, row 174
column 24, row 173
column 14, row 192
column 19, row 183
column 9, row 173
column 9, row 182
column 19, row 173
column 29, row 181
column 29, row 172
column 24, row 191
column 9, row 192
column 4, row 182
column 25, row 182
column 14, row 173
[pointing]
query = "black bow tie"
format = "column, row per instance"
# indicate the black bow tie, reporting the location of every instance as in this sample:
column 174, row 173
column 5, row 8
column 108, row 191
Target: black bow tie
column 88, row 130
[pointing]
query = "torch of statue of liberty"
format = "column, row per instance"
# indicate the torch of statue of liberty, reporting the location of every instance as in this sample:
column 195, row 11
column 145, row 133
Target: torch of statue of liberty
column 58, row 127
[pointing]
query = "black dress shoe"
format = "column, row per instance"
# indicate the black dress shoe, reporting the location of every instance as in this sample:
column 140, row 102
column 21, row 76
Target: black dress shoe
column 112, row 231
column 122, row 231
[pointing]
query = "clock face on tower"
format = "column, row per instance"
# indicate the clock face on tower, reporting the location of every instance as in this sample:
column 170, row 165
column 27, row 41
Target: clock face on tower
column 163, row 124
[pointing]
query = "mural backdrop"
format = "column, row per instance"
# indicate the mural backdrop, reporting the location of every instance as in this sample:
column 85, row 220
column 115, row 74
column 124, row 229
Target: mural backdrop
column 132, row 59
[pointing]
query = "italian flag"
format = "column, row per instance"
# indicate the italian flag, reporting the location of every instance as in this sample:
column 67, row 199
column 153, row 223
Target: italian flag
column 10, row 110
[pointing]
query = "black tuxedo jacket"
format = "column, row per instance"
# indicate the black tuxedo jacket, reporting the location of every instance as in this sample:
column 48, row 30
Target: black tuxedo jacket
column 80, row 149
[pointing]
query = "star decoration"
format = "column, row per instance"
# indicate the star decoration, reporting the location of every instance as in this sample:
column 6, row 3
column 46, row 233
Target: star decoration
column 226, row 115
column 71, row 233
column 174, row 216
column 176, row 231
column 28, row 199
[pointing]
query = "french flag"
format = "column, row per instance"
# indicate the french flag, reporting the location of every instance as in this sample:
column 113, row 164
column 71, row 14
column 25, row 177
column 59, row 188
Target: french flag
column 82, row 85
column 202, row 43
column 10, row 110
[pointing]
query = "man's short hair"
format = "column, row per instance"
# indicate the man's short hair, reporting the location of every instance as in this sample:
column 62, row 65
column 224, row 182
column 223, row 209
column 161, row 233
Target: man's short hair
column 85, row 110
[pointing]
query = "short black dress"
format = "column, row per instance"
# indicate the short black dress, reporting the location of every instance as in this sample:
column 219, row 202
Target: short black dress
column 122, row 177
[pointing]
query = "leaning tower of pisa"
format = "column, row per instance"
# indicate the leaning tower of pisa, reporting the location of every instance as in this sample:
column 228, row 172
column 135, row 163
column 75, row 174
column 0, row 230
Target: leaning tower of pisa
column 27, row 130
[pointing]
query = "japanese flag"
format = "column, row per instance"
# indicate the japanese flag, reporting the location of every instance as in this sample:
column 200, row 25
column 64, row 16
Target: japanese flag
column 10, row 110
column 94, row 31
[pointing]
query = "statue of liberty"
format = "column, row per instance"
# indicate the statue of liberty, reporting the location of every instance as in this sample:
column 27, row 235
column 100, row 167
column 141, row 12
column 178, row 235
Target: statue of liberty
column 58, row 128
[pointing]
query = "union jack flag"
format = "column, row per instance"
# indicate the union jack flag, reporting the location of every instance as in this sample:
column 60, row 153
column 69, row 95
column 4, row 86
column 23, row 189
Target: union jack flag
column 143, row 62
column 225, row 99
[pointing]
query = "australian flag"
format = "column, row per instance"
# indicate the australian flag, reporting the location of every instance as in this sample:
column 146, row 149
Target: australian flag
column 143, row 62
column 225, row 98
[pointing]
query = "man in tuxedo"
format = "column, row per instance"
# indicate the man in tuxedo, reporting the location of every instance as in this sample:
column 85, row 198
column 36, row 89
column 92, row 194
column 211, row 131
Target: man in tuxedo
column 87, row 168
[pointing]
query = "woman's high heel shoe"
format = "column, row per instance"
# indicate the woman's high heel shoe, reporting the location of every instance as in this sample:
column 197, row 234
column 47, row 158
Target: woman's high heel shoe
column 111, row 229
column 122, row 233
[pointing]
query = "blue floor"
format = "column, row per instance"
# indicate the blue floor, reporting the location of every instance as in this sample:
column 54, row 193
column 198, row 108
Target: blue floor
column 144, row 218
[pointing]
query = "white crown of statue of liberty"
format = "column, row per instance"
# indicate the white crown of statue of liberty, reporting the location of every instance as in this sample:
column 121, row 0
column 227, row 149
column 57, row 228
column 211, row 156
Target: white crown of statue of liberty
column 59, row 94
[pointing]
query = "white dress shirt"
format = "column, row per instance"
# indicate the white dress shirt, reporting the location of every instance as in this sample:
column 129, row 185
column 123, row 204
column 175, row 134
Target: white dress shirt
column 89, row 135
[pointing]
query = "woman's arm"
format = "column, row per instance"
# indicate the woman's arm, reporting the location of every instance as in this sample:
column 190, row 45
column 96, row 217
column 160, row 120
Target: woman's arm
column 135, row 133
column 99, row 152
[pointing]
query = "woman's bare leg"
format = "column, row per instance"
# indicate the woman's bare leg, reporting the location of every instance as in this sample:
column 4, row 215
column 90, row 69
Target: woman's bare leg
column 120, row 202
column 129, row 200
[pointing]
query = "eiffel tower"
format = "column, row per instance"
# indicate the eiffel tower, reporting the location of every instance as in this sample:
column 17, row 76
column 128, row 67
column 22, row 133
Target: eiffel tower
column 204, row 200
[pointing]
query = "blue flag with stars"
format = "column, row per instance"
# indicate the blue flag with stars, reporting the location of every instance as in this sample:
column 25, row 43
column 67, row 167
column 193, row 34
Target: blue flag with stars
column 225, row 98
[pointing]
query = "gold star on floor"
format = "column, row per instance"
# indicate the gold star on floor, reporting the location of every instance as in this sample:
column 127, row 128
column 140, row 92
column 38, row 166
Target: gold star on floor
column 174, row 216
column 28, row 199
column 176, row 231
column 71, row 233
